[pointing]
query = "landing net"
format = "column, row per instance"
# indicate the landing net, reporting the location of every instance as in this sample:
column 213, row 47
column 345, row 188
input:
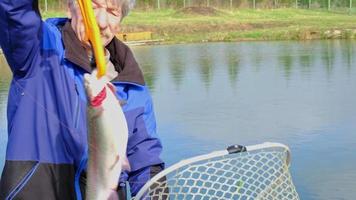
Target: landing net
column 251, row 172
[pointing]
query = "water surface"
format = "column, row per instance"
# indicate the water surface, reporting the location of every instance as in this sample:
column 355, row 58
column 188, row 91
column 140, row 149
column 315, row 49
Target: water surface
column 208, row 96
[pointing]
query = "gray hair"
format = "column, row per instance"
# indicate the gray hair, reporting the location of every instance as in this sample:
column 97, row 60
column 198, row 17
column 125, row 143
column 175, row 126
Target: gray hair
column 126, row 6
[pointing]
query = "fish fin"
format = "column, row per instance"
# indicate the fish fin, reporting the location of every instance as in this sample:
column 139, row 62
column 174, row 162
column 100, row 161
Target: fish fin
column 111, row 87
column 125, row 164
column 114, row 91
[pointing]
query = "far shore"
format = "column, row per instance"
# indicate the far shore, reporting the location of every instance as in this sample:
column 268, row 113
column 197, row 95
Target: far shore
column 213, row 25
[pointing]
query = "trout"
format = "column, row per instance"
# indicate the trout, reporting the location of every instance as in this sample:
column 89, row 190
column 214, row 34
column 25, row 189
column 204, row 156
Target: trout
column 107, row 139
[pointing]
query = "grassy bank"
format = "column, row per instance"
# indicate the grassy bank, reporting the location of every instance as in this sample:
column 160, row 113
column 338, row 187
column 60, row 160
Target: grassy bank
column 224, row 25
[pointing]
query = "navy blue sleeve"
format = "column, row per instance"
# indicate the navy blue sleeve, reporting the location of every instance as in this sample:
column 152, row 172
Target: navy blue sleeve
column 20, row 33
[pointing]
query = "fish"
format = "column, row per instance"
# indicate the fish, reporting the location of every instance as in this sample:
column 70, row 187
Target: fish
column 107, row 139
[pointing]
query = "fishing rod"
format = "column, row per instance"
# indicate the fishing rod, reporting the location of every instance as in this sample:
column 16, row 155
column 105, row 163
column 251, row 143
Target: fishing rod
column 93, row 35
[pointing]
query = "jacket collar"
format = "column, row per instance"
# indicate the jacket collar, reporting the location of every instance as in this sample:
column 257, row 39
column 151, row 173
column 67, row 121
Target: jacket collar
column 120, row 55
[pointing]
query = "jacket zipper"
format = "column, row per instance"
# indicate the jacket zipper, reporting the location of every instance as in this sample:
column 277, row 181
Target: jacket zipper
column 77, row 108
column 23, row 182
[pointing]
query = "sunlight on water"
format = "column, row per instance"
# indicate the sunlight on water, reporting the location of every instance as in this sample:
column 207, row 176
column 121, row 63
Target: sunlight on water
column 208, row 96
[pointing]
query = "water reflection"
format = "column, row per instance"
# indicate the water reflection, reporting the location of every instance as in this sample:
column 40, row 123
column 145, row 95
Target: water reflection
column 328, row 56
column 177, row 65
column 348, row 54
column 233, row 65
column 305, row 61
column 148, row 63
column 208, row 59
column 207, row 96
column 286, row 60
column 205, row 66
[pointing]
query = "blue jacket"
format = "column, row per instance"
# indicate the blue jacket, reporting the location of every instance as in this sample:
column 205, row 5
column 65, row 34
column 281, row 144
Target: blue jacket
column 47, row 129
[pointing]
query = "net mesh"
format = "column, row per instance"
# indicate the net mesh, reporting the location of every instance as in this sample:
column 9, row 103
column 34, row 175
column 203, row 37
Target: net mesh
column 260, row 174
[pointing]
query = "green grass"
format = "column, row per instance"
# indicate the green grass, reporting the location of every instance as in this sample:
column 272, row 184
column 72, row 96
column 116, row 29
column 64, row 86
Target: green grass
column 50, row 14
column 241, row 24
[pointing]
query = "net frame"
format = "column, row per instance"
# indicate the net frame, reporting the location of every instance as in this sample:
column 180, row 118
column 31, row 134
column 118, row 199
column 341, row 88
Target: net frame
column 207, row 176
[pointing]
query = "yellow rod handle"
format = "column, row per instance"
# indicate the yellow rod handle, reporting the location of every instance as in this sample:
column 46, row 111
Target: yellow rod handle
column 93, row 35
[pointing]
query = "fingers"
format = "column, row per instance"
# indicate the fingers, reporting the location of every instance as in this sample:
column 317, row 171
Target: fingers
column 87, row 79
column 113, row 3
column 94, row 85
column 108, row 3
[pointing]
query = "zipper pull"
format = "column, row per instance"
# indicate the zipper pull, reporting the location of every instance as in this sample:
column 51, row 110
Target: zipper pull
column 76, row 88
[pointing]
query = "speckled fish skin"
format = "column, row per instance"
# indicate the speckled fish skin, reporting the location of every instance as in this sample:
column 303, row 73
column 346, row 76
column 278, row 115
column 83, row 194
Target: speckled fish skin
column 107, row 139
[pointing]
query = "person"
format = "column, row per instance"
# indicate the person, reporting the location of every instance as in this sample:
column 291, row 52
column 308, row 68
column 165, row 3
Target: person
column 47, row 128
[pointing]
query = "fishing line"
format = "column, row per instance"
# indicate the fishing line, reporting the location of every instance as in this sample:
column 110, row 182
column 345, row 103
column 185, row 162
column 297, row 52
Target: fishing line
column 33, row 99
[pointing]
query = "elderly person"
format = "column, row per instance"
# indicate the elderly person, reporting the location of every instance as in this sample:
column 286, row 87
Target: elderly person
column 47, row 129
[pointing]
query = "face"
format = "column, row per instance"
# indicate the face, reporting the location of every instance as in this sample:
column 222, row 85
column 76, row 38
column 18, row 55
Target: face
column 108, row 16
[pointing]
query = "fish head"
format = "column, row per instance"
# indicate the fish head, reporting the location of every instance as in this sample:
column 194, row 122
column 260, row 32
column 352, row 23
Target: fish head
column 94, row 85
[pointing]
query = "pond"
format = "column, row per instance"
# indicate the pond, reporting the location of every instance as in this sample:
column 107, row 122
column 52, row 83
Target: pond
column 208, row 96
